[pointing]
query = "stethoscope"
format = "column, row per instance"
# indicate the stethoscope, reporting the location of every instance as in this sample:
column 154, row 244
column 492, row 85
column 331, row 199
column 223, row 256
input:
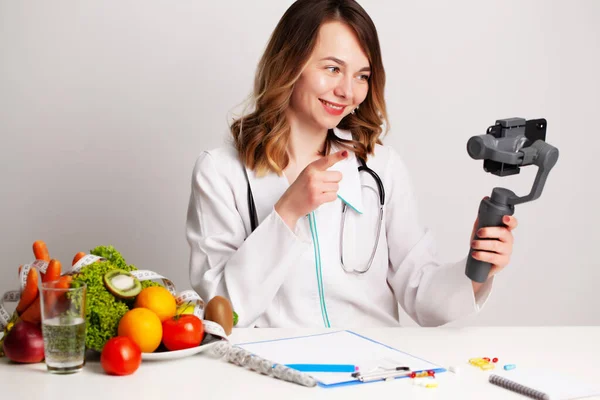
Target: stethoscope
column 381, row 191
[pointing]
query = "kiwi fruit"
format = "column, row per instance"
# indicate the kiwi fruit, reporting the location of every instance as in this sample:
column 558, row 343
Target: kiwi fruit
column 122, row 284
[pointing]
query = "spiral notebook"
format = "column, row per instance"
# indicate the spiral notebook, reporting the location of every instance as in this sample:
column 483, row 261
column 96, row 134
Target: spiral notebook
column 544, row 385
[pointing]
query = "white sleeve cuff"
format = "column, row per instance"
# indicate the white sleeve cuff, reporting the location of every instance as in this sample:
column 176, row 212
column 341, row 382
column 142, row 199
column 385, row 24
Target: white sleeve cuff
column 463, row 301
column 483, row 294
column 300, row 230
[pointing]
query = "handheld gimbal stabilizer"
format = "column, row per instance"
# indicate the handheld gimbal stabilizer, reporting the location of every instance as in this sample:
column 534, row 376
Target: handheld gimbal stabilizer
column 508, row 145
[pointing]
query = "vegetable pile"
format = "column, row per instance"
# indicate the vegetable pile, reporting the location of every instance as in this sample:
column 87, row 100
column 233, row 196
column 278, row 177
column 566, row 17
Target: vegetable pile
column 124, row 316
column 103, row 309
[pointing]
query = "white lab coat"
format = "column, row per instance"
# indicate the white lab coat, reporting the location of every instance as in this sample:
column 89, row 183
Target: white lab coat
column 276, row 277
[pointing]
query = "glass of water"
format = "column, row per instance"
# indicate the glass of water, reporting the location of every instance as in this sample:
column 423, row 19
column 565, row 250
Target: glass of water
column 63, row 326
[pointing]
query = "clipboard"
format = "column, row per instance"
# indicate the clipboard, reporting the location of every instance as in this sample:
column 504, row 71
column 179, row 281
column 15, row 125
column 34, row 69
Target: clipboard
column 338, row 347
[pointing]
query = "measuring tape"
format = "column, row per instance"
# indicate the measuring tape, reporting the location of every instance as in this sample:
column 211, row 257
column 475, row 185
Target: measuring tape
column 245, row 359
column 187, row 296
column 14, row 296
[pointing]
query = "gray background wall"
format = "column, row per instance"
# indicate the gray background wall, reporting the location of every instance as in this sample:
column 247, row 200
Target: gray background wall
column 104, row 107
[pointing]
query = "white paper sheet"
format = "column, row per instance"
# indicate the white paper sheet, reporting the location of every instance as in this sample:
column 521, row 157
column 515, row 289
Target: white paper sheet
column 341, row 347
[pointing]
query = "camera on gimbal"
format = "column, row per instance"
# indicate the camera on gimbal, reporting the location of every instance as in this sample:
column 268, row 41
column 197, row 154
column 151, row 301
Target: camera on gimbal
column 516, row 133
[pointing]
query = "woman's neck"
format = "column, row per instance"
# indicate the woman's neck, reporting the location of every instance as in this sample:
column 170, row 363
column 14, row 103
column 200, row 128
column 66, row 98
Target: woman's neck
column 306, row 142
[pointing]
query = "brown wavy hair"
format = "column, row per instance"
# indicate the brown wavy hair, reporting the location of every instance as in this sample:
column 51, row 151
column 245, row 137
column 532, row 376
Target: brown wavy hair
column 261, row 137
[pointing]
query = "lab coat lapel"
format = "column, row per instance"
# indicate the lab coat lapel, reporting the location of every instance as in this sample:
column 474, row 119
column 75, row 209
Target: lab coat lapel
column 269, row 188
column 350, row 186
column 266, row 191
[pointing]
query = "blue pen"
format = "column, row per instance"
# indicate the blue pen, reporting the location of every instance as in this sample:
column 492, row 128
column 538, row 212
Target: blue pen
column 323, row 367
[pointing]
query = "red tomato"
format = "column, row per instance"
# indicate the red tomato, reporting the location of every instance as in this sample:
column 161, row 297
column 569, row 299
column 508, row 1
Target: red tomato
column 120, row 356
column 182, row 332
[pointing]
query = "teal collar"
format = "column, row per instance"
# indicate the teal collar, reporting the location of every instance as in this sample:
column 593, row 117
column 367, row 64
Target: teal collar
column 350, row 191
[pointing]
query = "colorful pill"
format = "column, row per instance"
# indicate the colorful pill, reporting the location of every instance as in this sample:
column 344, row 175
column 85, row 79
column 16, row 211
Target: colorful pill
column 431, row 385
column 487, row 366
column 413, row 374
column 508, row 367
column 486, row 359
column 495, row 359
column 431, row 372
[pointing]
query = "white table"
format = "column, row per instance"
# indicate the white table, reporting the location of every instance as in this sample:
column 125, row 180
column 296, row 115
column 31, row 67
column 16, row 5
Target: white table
column 571, row 349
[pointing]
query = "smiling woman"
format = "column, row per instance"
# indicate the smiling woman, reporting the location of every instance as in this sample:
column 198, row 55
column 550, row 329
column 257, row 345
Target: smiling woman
column 318, row 67
column 339, row 78
column 308, row 220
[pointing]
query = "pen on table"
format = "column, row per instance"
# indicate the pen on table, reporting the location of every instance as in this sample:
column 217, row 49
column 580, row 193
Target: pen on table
column 323, row 367
column 379, row 371
column 383, row 375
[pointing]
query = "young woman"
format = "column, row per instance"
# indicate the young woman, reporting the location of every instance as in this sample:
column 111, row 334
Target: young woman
column 285, row 225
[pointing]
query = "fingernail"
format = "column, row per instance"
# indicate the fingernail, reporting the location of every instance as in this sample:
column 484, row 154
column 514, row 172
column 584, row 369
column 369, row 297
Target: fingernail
column 473, row 243
column 506, row 219
column 344, row 153
column 479, row 232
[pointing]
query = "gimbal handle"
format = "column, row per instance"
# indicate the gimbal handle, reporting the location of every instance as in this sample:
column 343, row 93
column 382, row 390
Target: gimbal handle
column 502, row 201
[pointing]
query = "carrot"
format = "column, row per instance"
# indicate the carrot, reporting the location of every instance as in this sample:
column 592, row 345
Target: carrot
column 78, row 257
column 64, row 282
column 53, row 271
column 30, row 291
column 40, row 250
column 52, row 297
column 33, row 312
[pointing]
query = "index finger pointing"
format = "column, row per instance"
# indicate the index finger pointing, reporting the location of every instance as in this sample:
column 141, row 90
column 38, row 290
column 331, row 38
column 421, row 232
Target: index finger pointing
column 328, row 161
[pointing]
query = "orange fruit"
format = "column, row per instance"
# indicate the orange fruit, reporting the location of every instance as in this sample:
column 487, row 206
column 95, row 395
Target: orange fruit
column 159, row 300
column 143, row 327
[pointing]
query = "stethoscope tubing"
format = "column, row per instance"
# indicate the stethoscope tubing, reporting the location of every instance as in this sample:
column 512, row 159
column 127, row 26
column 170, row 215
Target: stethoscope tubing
column 381, row 190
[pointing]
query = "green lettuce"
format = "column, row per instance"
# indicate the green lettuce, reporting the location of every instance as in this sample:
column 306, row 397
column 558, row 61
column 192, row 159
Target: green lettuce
column 103, row 310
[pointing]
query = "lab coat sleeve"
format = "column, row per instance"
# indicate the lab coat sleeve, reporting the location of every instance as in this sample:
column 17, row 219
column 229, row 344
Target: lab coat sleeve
column 248, row 271
column 431, row 292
